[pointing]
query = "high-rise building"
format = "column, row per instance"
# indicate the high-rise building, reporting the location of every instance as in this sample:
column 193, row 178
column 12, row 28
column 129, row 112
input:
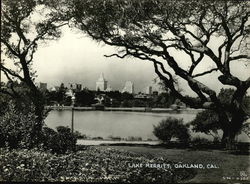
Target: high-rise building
column 129, row 87
column 149, row 90
column 101, row 83
column 155, row 85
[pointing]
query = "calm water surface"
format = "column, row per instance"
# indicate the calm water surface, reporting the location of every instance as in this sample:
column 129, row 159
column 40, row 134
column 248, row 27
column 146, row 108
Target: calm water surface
column 112, row 123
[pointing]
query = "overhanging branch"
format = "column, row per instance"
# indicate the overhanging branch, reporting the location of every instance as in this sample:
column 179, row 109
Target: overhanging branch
column 10, row 72
column 204, row 73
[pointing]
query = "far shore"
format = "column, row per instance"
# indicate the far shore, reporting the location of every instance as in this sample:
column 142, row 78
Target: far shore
column 132, row 109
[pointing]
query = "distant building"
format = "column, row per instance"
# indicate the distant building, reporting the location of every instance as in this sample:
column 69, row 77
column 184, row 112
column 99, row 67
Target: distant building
column 149, row 90
column 155, row 86
column 101, row 83
column 141, row 96
column 155, row 93
column 129, row 87
column 69, row 92
column 75, row 86
column 108, row 88
column 43, row 86
column 55, row 88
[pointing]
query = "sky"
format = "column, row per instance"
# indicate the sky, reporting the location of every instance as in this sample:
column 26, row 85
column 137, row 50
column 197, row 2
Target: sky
column 76, row 58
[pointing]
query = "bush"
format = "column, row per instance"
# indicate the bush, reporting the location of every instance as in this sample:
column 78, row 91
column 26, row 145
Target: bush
column 171, row 128
column 59, row 141
column 17, row 126
column 97, row 138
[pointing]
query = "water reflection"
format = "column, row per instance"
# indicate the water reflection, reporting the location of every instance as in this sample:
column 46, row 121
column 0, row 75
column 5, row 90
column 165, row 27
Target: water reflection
column 113, row 123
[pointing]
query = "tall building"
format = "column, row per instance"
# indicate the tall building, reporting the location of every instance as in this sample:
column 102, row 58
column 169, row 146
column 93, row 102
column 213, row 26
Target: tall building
column 149, row 90
column 101, row 83
column 155, row 85
column 129, row 87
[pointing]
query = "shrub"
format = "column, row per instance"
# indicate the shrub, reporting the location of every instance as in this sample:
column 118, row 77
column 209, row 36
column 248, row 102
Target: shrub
column 17, row 126
column 48, row 138
column 171, row 128
column 97, row 138
column 59, row 141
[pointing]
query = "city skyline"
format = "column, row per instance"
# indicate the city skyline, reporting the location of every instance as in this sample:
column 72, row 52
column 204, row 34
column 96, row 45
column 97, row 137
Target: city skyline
column 76, row 58
column 128, row 86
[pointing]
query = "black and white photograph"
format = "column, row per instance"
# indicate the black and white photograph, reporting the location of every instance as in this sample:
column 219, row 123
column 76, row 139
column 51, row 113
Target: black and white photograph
column 125, row 91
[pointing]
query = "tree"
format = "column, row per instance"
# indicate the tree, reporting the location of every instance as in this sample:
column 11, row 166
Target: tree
column 21, row 32
column 171, row 128
column 85, row 98
column 159, row 31
column 61, row 94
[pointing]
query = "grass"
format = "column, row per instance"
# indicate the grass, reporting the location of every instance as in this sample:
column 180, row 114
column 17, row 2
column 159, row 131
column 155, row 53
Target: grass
column 232, row 168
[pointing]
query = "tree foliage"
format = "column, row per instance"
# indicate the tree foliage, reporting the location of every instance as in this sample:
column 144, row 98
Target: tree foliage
column 17, row 126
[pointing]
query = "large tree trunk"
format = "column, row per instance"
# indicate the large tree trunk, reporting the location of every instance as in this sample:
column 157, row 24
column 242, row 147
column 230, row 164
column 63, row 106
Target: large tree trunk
column 228, row 139
column 233, row 128
column 38, row 101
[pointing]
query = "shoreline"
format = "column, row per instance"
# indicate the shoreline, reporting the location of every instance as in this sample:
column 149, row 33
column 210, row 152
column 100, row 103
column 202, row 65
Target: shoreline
column 126, row 109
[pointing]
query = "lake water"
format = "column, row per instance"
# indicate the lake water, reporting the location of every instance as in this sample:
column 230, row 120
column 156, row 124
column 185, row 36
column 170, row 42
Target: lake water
column 113, row 123
column 118, row 123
